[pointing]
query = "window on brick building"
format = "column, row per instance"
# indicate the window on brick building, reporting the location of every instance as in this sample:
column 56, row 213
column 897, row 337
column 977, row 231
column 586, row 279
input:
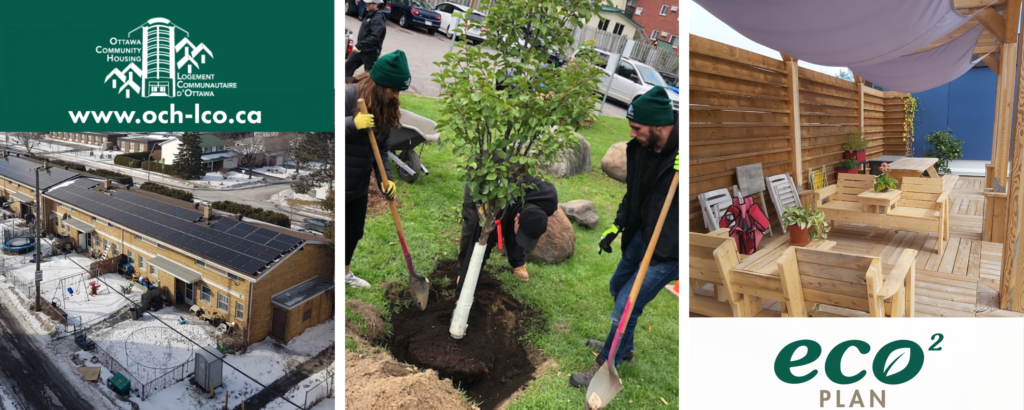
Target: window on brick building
column 206, row 295
column 307, row 314
column 664, row 10
column 239, row 311
column 222, row 302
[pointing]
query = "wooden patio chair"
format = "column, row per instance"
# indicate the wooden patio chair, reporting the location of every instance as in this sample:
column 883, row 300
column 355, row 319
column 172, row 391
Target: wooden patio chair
column 713, row 205
column 850, row 281
column 711, row 258
column 782, row 190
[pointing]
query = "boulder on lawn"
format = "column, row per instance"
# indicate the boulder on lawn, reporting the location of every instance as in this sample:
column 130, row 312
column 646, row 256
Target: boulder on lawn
column 558, row 243
column 572, row 162
column 581, row 211
column 614, row 162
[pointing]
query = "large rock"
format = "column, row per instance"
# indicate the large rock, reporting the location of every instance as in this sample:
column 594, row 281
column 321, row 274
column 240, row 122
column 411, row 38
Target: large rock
column 614, row 162
column 558, row 243
column 571, row 162
column 581, row 211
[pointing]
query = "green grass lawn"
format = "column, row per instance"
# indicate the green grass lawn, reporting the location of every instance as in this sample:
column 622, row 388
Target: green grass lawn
column 572, row 296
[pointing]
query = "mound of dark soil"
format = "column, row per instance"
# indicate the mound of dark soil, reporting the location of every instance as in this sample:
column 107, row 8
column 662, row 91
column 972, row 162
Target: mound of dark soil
column 489, row 363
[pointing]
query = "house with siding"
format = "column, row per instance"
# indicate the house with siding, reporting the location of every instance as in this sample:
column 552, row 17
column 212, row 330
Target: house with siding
column 267, row 280
column 215, row 152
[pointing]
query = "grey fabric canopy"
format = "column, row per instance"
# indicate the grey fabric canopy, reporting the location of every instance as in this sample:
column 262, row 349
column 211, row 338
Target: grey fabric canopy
column 924, row 70
column 839, row 33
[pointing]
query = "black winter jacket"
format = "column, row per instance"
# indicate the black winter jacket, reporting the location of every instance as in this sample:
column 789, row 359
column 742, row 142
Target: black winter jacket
column 371, row 34
column 628, row 216
column 359, row 158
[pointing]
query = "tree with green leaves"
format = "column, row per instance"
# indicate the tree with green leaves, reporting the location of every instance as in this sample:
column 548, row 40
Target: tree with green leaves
column 188, row 162
column 501, row 134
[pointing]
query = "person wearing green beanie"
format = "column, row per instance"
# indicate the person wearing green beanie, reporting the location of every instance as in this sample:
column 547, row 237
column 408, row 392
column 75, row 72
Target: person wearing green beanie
column 379, row 88
column 652, row 159
column 370, row 41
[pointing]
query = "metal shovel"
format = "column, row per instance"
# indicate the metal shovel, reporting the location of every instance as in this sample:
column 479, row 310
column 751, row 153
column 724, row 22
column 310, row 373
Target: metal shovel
column 606, row 383
column 419, row 286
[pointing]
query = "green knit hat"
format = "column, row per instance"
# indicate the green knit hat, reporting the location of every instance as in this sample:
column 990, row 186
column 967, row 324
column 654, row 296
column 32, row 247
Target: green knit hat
column 652, row 108
column 392, row 71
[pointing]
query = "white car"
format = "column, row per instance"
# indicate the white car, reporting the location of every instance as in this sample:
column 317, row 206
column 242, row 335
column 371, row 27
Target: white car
column 632, row 79
column 476, row 35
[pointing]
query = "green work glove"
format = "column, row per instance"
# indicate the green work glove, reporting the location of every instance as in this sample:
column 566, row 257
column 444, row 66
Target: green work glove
column 676, row 167
column 388, row 189
column 607, row 238
column 363, row 121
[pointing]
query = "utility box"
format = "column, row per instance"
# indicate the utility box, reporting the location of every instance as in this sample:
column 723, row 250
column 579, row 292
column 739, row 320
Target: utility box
column 209, row 368
column 119, row 384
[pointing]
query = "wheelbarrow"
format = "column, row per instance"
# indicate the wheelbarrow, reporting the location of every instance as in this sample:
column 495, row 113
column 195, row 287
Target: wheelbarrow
column 415, row 130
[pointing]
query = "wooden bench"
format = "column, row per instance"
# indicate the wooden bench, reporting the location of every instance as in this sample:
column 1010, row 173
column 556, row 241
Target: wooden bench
column 922, row 207
column 849, row 281
column 710, row 256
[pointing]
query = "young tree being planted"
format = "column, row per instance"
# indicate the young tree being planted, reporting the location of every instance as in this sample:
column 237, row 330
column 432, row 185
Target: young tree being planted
column 511, row 110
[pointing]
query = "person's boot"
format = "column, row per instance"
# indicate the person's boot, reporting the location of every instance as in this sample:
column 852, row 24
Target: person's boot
column 520, row 273
column 583, row 379
column 352, row 280
column 598, row 345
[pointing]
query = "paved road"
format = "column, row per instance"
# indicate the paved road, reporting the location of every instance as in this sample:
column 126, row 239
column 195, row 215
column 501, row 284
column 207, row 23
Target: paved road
column 422, row 50
column 27, row 373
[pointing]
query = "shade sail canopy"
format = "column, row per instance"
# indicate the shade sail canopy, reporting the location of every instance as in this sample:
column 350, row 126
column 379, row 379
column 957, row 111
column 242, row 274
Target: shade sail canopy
column 839, row 33
column 925, row 70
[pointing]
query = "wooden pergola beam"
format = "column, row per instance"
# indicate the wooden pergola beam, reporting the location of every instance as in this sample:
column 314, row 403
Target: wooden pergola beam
column 992, row 62
column 788, row 58
column 967, row 4
column 1011, row 281
column 982, row 50
column 793, row 71
column 1012, row 19
column 993, row 22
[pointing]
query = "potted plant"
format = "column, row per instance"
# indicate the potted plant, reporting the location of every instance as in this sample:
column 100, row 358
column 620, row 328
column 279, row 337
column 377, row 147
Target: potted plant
column 804, row 224
column 944, row 146
column 883, row 182
column 855, row 146
column 846, row 166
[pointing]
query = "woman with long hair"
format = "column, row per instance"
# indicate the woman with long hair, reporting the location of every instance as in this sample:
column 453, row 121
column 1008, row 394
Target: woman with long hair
column 379, row 89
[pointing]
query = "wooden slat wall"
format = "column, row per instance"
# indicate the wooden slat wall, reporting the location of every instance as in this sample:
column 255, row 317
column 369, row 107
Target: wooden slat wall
column 739, row 115
column 892, row 125
column 829, row 110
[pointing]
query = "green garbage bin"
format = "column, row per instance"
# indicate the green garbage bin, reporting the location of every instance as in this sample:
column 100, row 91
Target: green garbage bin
column 119, row 384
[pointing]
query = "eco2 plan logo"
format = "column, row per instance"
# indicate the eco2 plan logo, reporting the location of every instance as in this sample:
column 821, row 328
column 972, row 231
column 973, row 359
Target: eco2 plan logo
column 161, row 57
column 895, row 363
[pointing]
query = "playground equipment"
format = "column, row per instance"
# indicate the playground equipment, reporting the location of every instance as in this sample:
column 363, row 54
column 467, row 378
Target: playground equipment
column 17, row 241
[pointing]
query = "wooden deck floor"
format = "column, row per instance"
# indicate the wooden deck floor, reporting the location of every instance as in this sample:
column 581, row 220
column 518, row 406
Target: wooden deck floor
column 962, row 282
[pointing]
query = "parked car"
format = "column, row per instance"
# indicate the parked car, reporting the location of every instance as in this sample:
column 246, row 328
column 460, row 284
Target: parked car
column 671, row 79
column 415, row 13
column 631, row 80
column 352, row 8
column 315, row 224
column 475, row 35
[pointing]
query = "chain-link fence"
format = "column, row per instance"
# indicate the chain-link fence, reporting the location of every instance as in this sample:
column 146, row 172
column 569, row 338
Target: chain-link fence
column 320, row 391
column 150, row 387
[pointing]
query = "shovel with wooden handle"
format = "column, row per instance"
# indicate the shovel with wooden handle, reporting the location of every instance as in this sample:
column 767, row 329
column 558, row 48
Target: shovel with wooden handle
column 606, row 383
column 419, row 286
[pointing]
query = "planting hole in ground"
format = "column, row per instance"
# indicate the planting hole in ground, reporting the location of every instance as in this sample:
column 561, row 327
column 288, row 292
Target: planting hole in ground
column 489, row 363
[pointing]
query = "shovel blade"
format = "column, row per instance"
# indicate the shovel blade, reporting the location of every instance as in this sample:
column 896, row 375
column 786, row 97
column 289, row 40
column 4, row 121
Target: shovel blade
column 603, row 387
column 419, row 286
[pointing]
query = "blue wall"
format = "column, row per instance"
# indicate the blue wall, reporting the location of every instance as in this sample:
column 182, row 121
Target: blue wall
column 966, row 106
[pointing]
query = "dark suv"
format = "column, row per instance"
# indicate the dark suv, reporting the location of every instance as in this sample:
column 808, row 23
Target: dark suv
column 315, row 224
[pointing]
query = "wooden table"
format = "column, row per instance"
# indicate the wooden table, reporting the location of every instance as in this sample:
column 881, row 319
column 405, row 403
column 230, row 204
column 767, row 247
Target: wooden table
column 871, row 200
column 913, row 167
column 763, row 265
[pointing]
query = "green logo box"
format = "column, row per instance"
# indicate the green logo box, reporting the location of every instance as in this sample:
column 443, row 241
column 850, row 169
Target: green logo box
column 167, row 66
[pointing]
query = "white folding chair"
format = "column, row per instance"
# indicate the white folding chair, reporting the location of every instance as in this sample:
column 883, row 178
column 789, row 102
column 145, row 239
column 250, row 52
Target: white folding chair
column 783, row 192
column 712, row 205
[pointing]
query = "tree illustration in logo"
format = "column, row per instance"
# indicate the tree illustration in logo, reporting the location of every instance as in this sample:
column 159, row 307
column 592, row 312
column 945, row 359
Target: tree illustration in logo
column 191, row 52
column 127, row 77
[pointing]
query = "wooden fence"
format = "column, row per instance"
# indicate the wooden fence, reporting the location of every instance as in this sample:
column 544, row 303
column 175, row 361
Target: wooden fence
column 659, row 58
column 742, row 112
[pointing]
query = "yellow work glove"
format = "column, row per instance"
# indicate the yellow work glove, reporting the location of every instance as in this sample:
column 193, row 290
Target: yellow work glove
column 388, row 188
column 481, row 209
column 363, row 121
column 606, row 239
column 676, row 167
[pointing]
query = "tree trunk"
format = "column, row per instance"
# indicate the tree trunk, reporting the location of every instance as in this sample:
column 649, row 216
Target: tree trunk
column 460, row 318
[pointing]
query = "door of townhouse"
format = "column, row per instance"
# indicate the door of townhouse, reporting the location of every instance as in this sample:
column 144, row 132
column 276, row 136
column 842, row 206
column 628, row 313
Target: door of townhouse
column 279, row 324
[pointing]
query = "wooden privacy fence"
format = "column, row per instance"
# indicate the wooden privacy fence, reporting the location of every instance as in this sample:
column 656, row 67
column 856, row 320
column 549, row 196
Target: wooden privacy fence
column 742, row 112
column 644, row 52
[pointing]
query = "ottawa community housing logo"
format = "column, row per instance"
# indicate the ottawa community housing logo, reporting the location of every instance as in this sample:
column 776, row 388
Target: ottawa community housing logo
column 162, row 62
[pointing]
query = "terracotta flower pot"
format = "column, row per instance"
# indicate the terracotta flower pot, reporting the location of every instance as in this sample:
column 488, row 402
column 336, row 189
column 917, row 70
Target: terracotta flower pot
column 798, row 237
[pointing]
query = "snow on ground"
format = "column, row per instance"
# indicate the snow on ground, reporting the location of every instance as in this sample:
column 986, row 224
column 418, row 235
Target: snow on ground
column 149, row 349
column 314, row 386
column 283, row 172
column 287, row 194
column 266, row 361
column 327, row 404
column 217, row 180
column 6, row 402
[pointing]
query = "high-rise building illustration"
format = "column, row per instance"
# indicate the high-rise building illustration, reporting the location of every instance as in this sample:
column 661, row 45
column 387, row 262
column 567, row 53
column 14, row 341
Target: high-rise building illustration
column 158, row 58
